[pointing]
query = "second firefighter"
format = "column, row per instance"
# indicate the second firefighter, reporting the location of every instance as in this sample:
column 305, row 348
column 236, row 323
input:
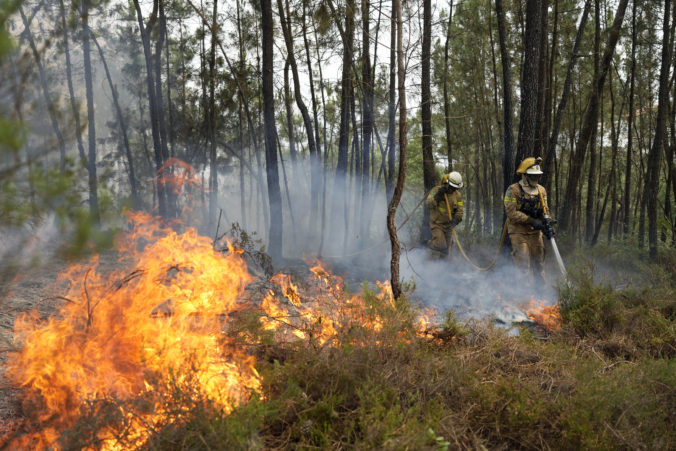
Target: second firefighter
column 446, row 210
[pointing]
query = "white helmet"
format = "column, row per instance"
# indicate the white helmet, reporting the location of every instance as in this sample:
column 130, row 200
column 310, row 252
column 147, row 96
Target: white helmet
column 453, row 179
column 534, row 170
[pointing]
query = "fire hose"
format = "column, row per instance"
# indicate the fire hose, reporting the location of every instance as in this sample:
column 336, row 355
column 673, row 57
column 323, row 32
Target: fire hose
column 550, row 235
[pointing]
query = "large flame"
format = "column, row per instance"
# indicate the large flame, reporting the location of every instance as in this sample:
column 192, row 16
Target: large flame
column 116, row 336
column 160, row 325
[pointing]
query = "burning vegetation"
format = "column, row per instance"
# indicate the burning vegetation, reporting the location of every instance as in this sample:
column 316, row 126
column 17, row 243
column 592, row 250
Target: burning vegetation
column 182, row 347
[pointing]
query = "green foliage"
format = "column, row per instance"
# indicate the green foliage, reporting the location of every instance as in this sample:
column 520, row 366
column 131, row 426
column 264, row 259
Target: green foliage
column 589, row 308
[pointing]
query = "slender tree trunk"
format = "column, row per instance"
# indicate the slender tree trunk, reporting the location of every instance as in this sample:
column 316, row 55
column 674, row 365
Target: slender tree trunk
column 630, row 123
column 45, row 92
column 316, row 173
column 591, row 179
column 69, row 79
column 655, row 155
column 429, row 172
column 276, row 219
column 391, row 111
column 507, row 160
column 159, row 105
column 91, row 156
column 590, row 118
column 367, row 120
column 289, row 114
column 447, row 100
column 399, row 188
column 157, row 146
column 213, row 161
column 550, row 156
column 123, row 127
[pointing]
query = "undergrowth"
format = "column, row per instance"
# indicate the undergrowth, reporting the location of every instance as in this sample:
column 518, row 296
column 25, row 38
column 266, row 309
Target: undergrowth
column 605, row 380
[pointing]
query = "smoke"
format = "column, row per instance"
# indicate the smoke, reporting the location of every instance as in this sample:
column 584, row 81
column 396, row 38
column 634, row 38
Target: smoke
column 441, row 284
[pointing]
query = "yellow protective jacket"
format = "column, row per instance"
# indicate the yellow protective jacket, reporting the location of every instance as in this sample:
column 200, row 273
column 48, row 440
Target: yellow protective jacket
column 439, row 212
column 515, row 200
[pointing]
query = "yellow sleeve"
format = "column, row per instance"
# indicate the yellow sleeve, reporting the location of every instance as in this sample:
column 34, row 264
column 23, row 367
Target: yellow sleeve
column 515, row 216
column 459, row 208
column 430, row 202
column 544, row 197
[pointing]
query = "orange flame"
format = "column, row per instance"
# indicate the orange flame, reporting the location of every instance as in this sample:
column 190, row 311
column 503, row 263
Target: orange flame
column 547, row 316
column 116, row 333
column 161, row 326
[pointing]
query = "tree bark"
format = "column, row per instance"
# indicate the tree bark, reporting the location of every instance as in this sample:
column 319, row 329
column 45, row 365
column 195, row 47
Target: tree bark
column 391, row 111
column 530, row 89
column 91, row 126
column 367, row 120
column 653, row 172
column 429, row 173
column 507, row 160
column 401, row 177
column 590, row 118
column 45, row 92
column 550, row 156
column 69, row 80
column 274, row 195
column 447, row 100
column 591, row 179
column 123, row 128
column 157, row 146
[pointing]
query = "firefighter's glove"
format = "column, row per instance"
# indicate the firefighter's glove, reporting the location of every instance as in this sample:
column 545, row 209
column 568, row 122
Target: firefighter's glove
column 454, row 223
column 548, row 230
column 537, row 224
column 439, row 196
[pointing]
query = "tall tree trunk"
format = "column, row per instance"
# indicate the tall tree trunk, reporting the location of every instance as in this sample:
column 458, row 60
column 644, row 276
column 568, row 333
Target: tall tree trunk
column 530, row 89
column 157, row 146
column 69, row 80
column 289, row 114
column 630, row 123
column 391, row 111
column 346, row 92
column 590, row 118
column 45, row 92
column 159, row 104
column 123, row 127
column 550, row 156
column 399, row 188
column 213, row 160
column 91, row 126
column 591, row 179
column 447, row 100
column 367, row 120
column 653, row 173
column 508, row 159
column 274, row 195
column 316, row 173
column 429, row 173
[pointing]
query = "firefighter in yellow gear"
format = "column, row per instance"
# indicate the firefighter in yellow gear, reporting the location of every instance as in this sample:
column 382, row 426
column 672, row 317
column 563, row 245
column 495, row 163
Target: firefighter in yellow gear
column 446, row 210
column 525, row 207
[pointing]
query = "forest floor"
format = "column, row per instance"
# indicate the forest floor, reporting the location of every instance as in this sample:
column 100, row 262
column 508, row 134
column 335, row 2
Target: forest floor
column 605, row 378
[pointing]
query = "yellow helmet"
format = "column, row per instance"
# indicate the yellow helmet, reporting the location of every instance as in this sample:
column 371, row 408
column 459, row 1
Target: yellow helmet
column 530, row 165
